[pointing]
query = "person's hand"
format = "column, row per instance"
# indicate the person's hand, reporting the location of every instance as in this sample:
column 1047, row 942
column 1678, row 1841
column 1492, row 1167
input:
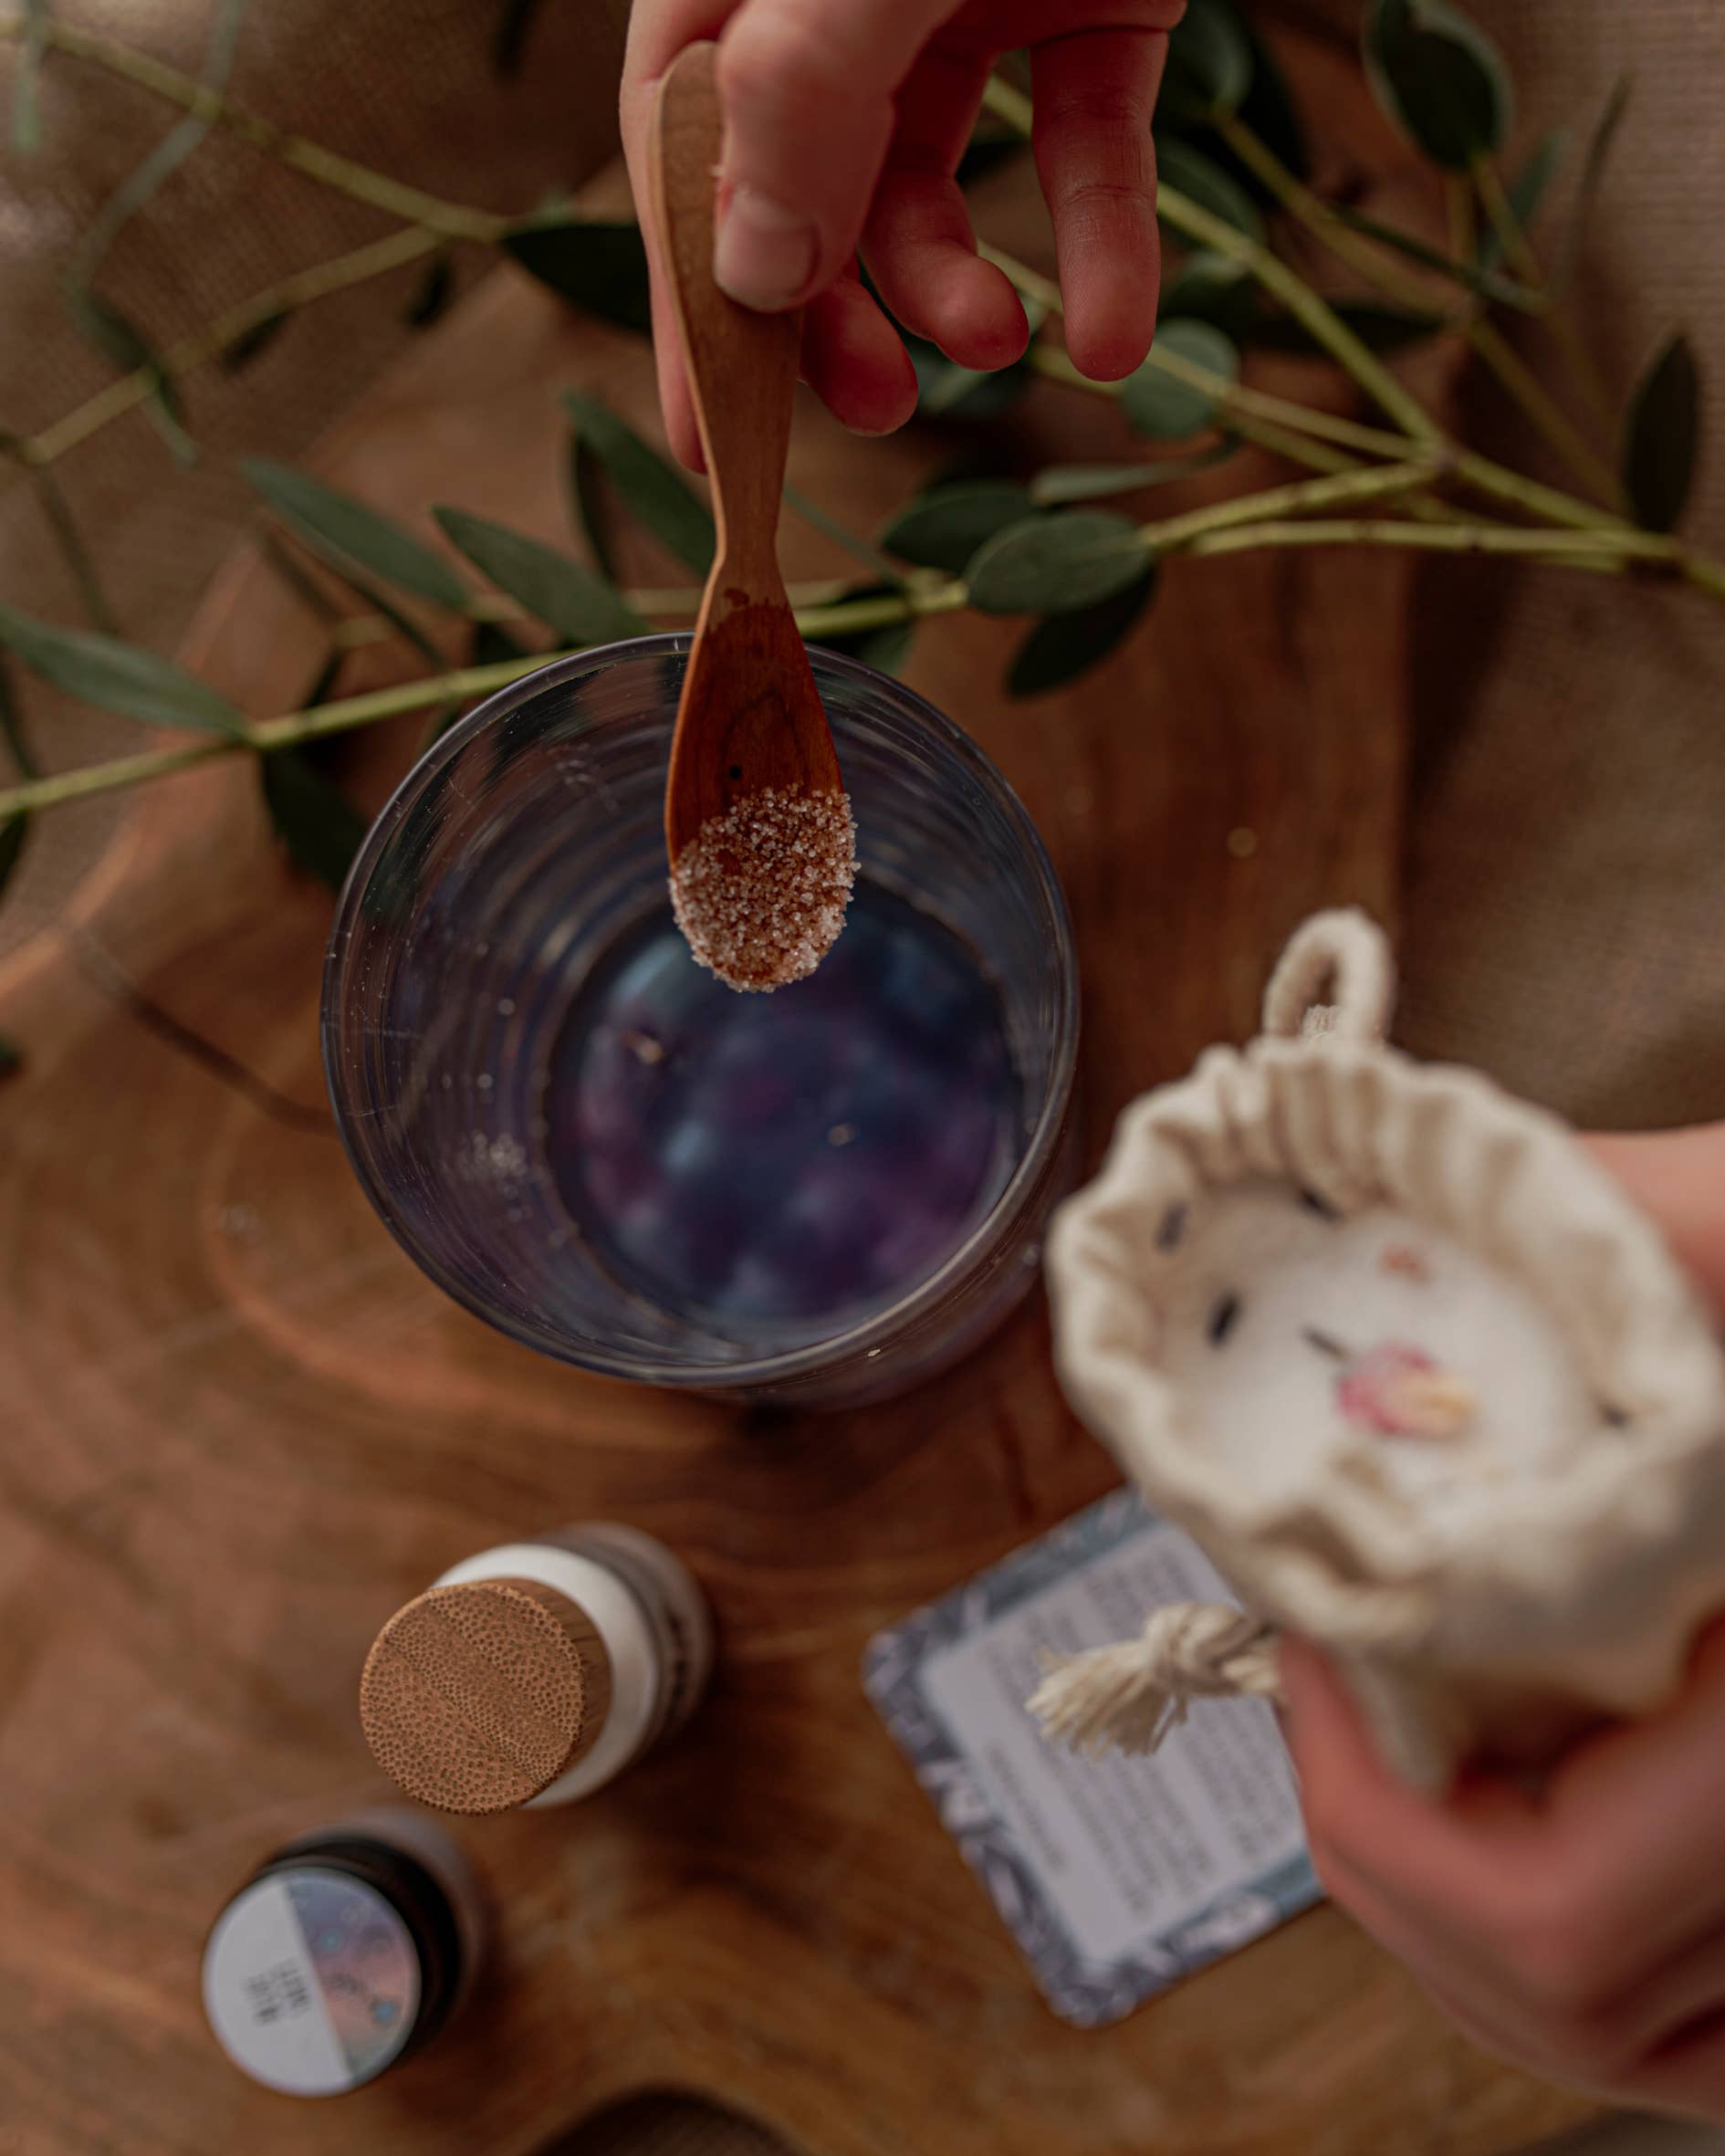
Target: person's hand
column 845, row 120
column 1580, row 1930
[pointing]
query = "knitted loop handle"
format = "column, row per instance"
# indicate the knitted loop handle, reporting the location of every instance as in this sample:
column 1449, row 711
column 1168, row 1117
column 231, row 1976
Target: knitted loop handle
column 1335, row 977
column 1132, row 1694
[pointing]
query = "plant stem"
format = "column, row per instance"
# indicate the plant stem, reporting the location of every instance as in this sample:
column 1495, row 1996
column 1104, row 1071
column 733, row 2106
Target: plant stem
column 1518, row 382
column 1524, row 387
column 1519, row 252
column 1231, row 397
column 208, row 343
column 1315, row 314
column 1240, row 408
column 1008, row 103
column 1528, row 495
column 676, row 603
column 77, row 555
column 1372, row 484
column 829, row 527
column 346, row 713
column 1559, row 546
column 452, row 219
column 1348, row 245
column 1500, row 215
column 1194, row 223
column 1458, row 216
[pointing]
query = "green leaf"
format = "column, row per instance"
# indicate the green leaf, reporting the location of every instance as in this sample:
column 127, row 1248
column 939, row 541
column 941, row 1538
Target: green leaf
column 12, row 832
column 1180, row 165
column 79, row 559
column 508, row 43
column 1486, row 283
column 573, row 602
column 11, row 1057
column 985, row 153
column 1379, row 327
column 1269, row 109
column 1524, row 193
column 592, row 511
column 650, row 484
column 829, row 527
column 947, row 392
column 432, row 293
column 1051, row 565
column 886, row 647
column 1661, row 434
column 247, row 346
column 601, row 268
column 492, row 645
column 1066, row 645
column 26, row 116
column 1093, row 482
column 1592, row 172
column 1209, row 64
column 943, row 528
column 1156, row 404
column 12, row 726
column 348, row 534
column 121, row 341
column 117, row 677
column 321, row 827
column 1210, row 288
column 1439, row 77
column 325, row 680
column 167, row 155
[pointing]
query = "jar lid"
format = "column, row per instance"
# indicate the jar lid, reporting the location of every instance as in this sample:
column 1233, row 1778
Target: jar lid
column 475, row 1698
column 342, row 1956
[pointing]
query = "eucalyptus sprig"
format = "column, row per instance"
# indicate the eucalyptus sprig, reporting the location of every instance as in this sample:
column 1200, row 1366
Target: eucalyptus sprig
column 1051, row 545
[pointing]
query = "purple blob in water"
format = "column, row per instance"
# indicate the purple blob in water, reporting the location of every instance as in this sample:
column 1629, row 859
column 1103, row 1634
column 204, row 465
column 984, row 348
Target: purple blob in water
column 792, row 1161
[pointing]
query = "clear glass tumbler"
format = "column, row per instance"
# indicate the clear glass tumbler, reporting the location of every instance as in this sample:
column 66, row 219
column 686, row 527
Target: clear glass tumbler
column 590, row 1143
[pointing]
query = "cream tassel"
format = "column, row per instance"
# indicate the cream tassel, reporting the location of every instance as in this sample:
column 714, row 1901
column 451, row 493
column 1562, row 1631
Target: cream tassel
column 1132, row 1693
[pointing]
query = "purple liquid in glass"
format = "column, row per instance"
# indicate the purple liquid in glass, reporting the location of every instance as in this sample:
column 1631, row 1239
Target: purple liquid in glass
column 784, row 1164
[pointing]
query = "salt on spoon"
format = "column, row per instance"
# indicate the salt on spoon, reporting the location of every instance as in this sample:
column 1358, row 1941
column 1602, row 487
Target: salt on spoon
column 757, row 825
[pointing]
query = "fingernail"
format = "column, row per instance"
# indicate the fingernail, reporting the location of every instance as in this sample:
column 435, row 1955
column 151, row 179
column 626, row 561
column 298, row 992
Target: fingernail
column 765, row 255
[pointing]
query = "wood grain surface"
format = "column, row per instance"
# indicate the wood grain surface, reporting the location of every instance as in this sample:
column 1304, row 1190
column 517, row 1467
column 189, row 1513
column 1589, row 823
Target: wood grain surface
column 240, row 1429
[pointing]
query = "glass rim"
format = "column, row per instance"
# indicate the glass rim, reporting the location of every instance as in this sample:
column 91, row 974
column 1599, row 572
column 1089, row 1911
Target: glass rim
column 859, row 1339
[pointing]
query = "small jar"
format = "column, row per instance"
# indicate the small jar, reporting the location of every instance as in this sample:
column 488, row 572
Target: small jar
column 343, row 1953
column 535, row 1673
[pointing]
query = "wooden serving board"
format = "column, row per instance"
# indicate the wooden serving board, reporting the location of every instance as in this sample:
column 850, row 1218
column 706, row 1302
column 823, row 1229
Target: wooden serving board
column 239, row 1428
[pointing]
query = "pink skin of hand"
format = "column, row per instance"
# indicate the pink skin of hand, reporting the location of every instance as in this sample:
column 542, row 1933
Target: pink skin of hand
column 846, row 123
column 1578, row 1930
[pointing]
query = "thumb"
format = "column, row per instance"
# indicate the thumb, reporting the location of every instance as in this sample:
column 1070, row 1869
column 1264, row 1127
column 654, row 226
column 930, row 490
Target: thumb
column 808, row 94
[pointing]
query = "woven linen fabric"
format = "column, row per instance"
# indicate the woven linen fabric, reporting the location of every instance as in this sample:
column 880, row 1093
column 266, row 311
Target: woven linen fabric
column 1565, row 903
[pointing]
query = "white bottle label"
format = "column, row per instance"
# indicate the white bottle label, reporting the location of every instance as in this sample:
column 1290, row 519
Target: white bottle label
column 311, row 1981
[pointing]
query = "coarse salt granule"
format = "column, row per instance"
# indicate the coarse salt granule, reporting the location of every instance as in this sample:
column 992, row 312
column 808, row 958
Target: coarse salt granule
column 761, row 892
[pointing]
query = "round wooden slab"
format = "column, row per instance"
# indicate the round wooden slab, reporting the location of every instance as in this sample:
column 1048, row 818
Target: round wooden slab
column 242, row 1429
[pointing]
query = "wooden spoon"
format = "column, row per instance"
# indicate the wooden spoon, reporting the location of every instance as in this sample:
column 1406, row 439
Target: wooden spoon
column 756, row 822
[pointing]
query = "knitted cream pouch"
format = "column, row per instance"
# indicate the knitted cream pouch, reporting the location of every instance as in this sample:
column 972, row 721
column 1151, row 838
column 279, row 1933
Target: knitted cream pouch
column 1412, row 1370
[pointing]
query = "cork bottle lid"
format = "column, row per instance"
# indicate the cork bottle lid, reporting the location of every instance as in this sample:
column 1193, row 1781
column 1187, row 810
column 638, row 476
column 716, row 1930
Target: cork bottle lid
column 475, row 1698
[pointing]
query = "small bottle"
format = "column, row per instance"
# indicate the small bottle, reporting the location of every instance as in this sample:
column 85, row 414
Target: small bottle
column 344, row 1953
column 535, row 1673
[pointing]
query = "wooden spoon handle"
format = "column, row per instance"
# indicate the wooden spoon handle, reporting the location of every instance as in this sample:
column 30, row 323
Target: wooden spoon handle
column 742, row 365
